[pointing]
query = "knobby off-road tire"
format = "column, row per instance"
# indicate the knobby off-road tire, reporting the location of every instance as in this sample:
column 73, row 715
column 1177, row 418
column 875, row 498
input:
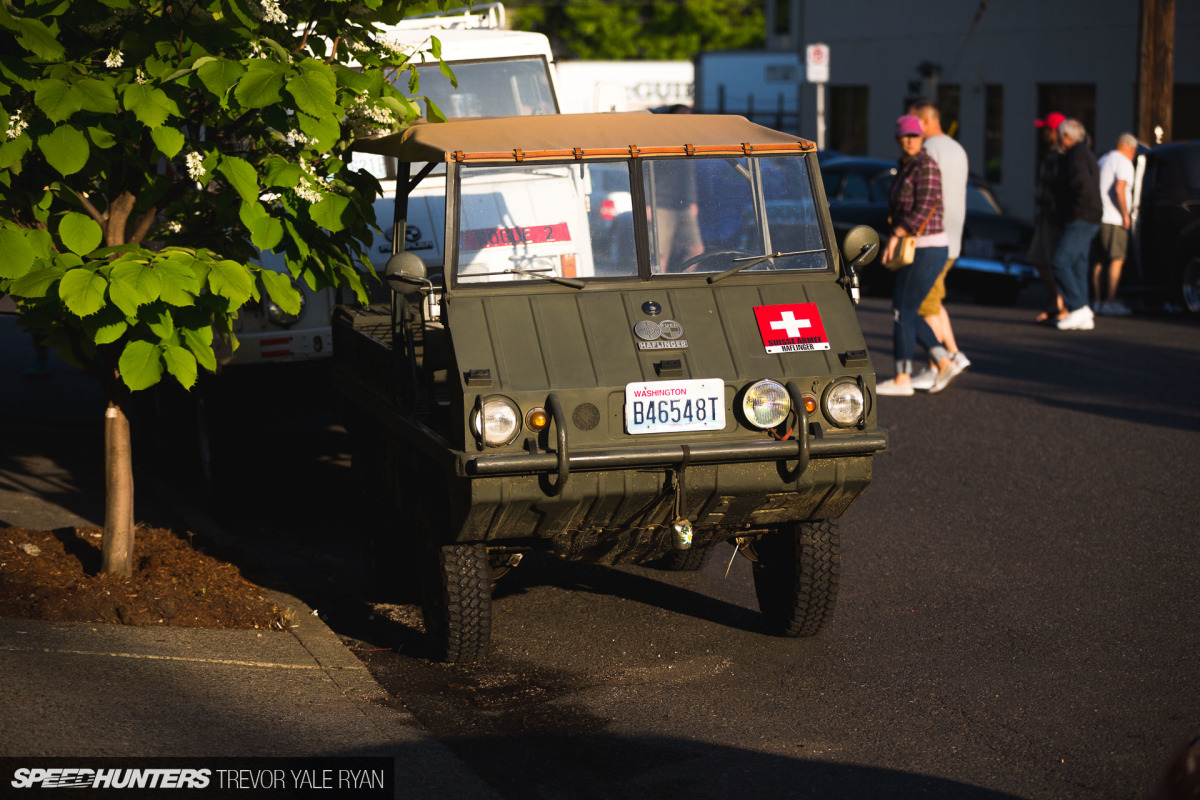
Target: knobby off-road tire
column 689, row 560
column 456, row 599
column 796, row 577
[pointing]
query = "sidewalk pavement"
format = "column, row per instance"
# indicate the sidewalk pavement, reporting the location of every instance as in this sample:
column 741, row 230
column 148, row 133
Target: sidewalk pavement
column 89, row 690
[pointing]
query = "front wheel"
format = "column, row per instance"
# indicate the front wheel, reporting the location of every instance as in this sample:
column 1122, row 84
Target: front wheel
column 456, row 598
column 796, row 577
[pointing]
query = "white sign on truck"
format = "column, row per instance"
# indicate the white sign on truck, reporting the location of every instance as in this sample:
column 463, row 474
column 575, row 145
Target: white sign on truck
column 600, row 86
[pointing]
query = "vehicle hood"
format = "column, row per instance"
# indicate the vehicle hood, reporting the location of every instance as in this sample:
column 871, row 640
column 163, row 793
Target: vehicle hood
column 587, row 339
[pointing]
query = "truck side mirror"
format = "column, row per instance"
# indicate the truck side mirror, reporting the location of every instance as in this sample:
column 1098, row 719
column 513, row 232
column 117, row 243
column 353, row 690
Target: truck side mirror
column 860, row 246
column 406, row 275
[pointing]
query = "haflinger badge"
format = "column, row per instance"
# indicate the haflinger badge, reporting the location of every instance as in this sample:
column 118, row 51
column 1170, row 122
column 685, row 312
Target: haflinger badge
column 791, row 328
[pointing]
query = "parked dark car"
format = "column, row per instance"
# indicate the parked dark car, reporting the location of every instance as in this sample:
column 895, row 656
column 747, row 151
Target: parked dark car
column 992, row 265
column 1167, row 236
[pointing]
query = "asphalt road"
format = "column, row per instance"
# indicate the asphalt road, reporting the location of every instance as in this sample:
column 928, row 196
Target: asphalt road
column 1018, row 612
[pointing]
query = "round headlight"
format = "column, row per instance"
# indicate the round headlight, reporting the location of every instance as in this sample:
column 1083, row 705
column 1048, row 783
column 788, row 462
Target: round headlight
column 277, row 316
column 844, row 403
column 498, row 422
column 766, row 404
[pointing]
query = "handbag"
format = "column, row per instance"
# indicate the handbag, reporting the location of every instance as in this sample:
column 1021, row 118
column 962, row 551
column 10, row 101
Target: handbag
column 906, row 251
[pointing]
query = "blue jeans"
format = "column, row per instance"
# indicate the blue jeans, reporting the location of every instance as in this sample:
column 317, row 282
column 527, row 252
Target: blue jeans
column 908, row 327
column 1070, row 262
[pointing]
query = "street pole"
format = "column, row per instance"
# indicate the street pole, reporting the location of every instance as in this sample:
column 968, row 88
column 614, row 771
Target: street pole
column 1156, row 70
column 820, row 116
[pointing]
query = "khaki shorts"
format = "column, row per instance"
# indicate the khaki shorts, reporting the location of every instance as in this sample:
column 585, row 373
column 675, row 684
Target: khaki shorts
column 1110, row 244
column 932, row 303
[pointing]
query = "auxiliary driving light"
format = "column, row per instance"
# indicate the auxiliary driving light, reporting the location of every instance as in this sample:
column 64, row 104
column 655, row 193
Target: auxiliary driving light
column 766, row 404
column 537, row 419
column 844, row 403
column 497, row 421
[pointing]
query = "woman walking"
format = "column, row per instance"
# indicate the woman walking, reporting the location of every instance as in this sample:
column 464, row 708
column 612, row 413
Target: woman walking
column 915, row 208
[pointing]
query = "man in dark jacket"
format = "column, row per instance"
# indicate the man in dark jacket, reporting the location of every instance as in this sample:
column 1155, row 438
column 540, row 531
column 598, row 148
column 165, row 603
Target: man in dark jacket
column 1078, row 198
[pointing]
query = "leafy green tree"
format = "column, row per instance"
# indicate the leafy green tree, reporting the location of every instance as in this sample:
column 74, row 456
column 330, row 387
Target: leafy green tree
column 150, row 149
column 599, row 30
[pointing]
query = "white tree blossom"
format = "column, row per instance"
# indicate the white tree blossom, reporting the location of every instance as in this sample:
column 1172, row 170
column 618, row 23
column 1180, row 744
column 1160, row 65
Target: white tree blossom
column 272, row 12
column 195, row 166
column 16, row 125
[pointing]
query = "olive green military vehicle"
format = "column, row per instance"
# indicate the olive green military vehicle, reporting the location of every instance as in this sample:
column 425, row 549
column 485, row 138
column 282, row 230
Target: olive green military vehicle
column 626, row 388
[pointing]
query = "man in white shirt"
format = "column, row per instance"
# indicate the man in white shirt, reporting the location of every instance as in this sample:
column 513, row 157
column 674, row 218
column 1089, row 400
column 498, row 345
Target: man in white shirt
column 1116, row 198
column 951, row 159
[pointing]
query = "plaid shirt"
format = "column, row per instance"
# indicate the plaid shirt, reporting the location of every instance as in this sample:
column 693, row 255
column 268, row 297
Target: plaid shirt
column 917, row 191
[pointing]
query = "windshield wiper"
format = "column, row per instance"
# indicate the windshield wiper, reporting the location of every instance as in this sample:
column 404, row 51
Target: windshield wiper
column 752, row 260
column 535, row 273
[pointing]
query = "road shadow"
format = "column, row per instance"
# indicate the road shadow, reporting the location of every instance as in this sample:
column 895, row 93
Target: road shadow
column 541, row 569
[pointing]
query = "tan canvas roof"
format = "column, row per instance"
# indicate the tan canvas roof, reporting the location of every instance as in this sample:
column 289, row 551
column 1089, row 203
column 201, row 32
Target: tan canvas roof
column 562, row 136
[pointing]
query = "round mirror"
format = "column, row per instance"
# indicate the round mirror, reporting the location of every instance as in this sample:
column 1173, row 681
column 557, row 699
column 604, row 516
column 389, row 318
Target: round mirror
column 861, row 245
column 405, row 273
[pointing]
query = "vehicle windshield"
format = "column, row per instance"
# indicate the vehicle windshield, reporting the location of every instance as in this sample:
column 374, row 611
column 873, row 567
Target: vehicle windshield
column 523, row 223
column 577, row 221
column 713, row 214
column 505, row 88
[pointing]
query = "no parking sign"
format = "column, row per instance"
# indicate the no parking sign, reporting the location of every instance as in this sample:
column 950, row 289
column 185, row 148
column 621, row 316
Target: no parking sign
column 816, row 62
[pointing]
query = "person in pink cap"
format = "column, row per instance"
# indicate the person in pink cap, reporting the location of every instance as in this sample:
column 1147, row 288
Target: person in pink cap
column 1047, row 218
column 915, row 209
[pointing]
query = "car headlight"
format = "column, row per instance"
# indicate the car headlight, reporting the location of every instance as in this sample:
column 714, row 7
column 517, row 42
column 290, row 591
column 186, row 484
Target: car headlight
column 844, row 403
column 277, row 316
column 766, row 404
column 496, row 421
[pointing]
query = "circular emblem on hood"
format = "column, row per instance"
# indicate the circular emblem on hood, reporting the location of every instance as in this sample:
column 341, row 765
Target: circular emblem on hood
column 670, row 329
column 651, row 308
column 647, row 330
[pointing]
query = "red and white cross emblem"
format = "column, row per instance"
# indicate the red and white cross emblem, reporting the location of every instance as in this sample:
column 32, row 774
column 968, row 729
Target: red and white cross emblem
column 791, row 328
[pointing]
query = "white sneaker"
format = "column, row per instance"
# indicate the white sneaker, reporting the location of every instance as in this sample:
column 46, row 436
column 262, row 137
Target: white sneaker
column 1081, row 319
column 961, row 359
column 924, row 380
column 893, row 389
column 945, row 376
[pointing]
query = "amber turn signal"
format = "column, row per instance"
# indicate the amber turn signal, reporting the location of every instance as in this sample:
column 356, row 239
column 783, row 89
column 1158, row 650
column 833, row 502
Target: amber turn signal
column 537, row 419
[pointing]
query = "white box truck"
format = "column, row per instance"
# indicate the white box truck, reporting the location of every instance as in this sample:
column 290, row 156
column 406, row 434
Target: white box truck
column 500, row 72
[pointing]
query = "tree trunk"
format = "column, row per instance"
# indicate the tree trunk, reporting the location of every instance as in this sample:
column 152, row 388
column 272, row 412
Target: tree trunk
column 116, row 551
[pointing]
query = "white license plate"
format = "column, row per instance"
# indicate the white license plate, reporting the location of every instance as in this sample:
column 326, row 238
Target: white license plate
column 674, row 406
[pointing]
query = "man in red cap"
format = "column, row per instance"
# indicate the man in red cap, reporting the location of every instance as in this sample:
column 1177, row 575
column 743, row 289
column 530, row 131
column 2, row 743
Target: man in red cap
column 1047, row 218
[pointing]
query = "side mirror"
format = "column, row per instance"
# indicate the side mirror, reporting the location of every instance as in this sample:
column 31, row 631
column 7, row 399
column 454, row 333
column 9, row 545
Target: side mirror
column 406, row 275
column 860, row 246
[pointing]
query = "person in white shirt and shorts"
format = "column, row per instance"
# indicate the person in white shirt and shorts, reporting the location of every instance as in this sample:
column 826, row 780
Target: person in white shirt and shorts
column 1112, row 242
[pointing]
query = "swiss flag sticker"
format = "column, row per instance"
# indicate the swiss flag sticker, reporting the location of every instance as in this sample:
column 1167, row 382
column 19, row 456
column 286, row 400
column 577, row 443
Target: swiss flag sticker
column 791, row 328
